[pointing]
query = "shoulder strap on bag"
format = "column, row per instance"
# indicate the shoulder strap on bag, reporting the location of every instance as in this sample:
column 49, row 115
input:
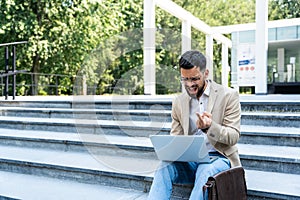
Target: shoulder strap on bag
column 210, row 188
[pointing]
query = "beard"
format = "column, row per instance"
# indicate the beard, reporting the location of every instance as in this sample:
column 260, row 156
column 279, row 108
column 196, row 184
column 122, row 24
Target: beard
column 194, row 87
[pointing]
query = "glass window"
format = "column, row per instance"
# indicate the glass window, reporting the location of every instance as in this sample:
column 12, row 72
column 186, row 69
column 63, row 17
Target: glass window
column 272, row 34
column 287, row 33
column 247, row 36
column 298, row 31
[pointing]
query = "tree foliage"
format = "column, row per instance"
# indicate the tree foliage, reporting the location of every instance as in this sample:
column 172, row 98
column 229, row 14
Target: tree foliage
column 60, row 32
column 103, row 40
column 284, row 9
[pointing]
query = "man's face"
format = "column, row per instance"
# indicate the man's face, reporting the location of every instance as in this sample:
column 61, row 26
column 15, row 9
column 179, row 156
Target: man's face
column 193, row 80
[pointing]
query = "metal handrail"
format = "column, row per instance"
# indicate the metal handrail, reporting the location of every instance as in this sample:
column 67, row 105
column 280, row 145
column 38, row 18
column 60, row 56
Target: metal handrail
column 10, row 72
column 53, row 82
column 13, row 43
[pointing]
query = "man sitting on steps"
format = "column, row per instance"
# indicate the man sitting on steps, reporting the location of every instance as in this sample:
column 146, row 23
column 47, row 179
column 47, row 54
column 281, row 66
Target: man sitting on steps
column 205, row 108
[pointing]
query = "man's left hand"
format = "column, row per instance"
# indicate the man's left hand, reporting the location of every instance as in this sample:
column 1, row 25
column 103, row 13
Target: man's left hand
column 204, row 120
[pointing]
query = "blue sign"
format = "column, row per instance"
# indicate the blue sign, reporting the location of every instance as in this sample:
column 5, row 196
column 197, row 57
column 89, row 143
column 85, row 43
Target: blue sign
column 244, row 62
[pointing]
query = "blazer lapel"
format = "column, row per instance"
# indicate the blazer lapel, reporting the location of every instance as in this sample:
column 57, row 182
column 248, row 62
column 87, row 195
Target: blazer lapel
column 212, row 97
column 186, row 113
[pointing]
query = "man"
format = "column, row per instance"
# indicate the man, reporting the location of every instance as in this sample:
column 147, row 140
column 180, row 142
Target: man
column 205, row 108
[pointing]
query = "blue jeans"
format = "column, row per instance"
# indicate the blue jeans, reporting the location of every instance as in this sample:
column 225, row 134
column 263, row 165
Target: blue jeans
column 184, row 173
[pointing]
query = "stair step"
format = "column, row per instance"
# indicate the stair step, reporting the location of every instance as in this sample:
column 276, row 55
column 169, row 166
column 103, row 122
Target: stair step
column 92, row 114
column 84, row 168
column 248, row 102
column 270, row 103
column 138, row 147
column 142, row 143
column 270, row 135
column 107, row 127
column 287, row 119
column 271, row 158
column 273, row 185
column 24, row 186
column 271, row 119
column 124, row 102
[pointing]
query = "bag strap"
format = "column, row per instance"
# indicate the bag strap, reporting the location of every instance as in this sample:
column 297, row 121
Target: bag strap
column 208, row 186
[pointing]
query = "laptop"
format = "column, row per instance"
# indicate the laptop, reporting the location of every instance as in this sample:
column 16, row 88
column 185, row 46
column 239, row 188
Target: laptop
column 181, row 148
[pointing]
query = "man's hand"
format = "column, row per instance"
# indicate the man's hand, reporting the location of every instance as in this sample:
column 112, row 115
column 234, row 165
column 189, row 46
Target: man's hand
column 204, row 120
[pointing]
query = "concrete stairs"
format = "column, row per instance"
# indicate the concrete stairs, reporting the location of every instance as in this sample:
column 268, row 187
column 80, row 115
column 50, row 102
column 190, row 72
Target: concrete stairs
column 91, row 147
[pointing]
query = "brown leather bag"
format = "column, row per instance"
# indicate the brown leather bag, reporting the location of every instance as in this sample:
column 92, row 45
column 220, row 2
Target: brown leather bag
column 227, row 185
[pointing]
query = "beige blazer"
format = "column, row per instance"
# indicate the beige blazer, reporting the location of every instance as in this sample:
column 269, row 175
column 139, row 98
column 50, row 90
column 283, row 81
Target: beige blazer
column 224, row 133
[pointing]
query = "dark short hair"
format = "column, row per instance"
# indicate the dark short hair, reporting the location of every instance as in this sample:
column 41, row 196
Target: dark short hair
column 191, row 59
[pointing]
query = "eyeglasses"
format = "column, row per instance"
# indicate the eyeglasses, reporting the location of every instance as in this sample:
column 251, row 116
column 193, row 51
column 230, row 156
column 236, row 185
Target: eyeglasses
column 192, row 79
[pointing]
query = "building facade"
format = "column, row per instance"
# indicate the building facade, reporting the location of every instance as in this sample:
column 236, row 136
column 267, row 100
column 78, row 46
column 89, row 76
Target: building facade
column 283, row 62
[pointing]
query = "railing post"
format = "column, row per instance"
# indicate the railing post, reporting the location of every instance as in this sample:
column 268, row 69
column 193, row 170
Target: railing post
column 14, row 72
column 210, row 55
column 84, row 85
column 261, row 47
column 2, row 94
column 8, row 71
column 6, row 57
column 32, row 86
column 149, row 47
column 56, row 85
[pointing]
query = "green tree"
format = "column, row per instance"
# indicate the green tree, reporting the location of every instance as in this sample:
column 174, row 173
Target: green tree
column 284, row 9
column 128, row 48
column 103, row 40
column 118, row 52
column 60, row 33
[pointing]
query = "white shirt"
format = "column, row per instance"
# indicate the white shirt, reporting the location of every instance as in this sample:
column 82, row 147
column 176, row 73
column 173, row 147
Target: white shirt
column 199, row 106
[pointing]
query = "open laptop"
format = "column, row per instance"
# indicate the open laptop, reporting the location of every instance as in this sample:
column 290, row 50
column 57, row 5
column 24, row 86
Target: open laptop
column 181, row 148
